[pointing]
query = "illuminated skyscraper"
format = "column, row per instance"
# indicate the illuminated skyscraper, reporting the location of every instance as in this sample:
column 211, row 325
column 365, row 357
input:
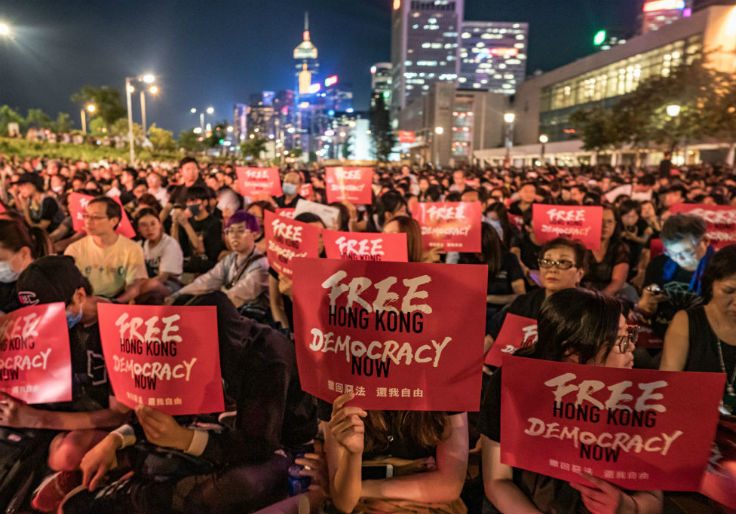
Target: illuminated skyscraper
column 655, row 14
column 381, row 80
column 424, row 47
column 305, row 55
column 493, row 55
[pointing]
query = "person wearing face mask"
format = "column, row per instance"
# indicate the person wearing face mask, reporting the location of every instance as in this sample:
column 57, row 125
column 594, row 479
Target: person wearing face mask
column 242, row 275
column 674, row 280
column 291, row 185
column 19, row 245
column 93, row 407
column 199, row 233
column 258, row 209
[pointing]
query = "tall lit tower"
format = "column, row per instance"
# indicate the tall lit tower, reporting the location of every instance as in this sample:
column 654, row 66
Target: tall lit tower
column 305, row 55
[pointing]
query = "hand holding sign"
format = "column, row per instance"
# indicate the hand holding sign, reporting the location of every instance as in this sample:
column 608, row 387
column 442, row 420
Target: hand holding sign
column 346, row 424
column 162, row 429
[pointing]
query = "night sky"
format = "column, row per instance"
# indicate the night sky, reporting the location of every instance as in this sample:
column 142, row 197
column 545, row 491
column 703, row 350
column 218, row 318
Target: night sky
column 217, row 52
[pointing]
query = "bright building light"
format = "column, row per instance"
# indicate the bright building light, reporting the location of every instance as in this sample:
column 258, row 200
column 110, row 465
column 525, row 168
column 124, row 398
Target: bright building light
column 543, row 139
column 315, row 88
column 664, row 5
column 331, row 81
column 148, row 78
column 197, row 130
column 439, row 130
column 193, row 110
column 509, row 117
column 673, row 110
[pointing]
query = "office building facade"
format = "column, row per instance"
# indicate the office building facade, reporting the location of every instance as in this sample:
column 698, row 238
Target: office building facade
column 493, row 55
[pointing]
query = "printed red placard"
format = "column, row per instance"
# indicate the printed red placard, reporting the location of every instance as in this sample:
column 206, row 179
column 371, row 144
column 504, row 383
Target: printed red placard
column 165, row 357
column 349, row 185
column 78, row 204
column 638, row 429
column 365, row 246
column 306, row 191
column 584, row 223
column 258, row 182
column 287, row 239
column 720, row 220
column 390, row 332
column 719, row 481
column 35, row 359
column 516, row 333
column 450, row 226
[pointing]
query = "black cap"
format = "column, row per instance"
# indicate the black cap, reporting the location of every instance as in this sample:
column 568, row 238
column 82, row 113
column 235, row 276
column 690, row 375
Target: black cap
column 31, row 178
column 50, row 279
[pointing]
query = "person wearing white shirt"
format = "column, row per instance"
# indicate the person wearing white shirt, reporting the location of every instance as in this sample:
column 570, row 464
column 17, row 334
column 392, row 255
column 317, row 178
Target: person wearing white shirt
column 163, row 256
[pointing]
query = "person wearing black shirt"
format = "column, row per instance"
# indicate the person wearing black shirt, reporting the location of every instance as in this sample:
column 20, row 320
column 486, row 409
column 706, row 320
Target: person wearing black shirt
column 574, row 325
column 38, row 209
column 241, row 467
column 561, row 266
column 527, row 195
column 608, row 266
column 674, row 280
column 199, row 233
column 19, row 245
column 526, row 248
column 291, row 186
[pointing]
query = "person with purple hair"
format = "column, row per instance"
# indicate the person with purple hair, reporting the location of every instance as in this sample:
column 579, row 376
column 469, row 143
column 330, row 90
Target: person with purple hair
column 242, row 275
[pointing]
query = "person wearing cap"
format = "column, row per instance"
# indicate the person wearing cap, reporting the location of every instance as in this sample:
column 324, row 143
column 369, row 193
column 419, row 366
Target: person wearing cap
column 112, row 263
column 93, row 407
column 243, row 274
column 38, row 209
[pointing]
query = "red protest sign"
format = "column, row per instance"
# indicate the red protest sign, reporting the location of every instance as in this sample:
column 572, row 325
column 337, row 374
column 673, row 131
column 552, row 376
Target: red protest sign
column 255, row 182
column 639, row 429
column 516, row 221
column 583, row 223
column 365, row 246
column 35, row 359
column 389, row 332
column 719, row 481
column 286, row 212
column 287, row 239
column 165, row 357
column 517, row 332
column 451, row 226
column 306, row 191
column 720, row 220
column 78, row 204
column 349, row 185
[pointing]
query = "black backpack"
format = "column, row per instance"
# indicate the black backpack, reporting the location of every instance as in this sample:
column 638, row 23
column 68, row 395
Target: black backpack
column 23, row 455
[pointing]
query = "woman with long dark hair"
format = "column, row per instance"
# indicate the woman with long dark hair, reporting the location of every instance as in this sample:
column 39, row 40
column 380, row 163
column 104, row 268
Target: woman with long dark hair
column 20, row 244
column 584, row 327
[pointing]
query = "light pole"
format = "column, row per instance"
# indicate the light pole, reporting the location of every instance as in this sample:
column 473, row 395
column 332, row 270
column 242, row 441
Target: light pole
column 509, row 118
column 209, row 110
column 438, row 131
column 154, row 91
column 89, row 108
column 129, row 90
column 543, row 139
column 673, row 111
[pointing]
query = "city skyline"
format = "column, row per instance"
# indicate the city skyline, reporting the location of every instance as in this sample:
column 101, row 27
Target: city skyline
column 187, row 45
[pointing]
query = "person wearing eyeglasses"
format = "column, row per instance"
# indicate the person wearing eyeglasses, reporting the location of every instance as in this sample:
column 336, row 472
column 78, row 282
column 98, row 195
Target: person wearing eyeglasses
column 561, row 266
column 242, row 275
column 674, row 280
column 584, row 327
column 112, row 263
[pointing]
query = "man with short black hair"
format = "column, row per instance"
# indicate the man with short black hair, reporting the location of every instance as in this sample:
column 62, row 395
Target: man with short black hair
column 199, row 232
column 113, row 264
column 674, row 279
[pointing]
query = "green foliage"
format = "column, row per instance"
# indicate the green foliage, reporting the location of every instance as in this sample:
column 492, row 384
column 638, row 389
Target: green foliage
column 190, row 141
column 8, row 115
column 640, row 118
column 107, row 100
column 62, row 124
column 161, row 139
column 253, row 148
column 31, row 149
column 120, row 129
column 37, row 119
column 380, row 126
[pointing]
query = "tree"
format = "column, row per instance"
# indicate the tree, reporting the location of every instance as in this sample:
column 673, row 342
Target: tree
column 596, row 128
column 380, row 126
column 106, row 99
column 161, row 139
column 120, row 129
column 63, row 123
column 8, row 115
column 190, row 141
column 37, row 119
column 253, row 148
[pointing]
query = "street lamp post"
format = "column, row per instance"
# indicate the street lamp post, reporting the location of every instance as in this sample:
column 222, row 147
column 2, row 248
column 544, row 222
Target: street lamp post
column 154, row 91
column 129, row 90
column 509, row 118
column 673, row 111
column 439, row 130
column 543, row 139
column 89, row 108
column 6, row 30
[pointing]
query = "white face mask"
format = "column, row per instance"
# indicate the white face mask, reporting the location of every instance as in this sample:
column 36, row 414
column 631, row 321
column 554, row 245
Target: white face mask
column 7, row 275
